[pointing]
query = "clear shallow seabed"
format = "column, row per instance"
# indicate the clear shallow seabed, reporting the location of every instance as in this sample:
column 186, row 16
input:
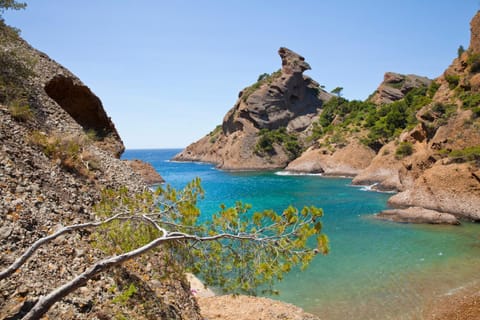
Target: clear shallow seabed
column 376, row 270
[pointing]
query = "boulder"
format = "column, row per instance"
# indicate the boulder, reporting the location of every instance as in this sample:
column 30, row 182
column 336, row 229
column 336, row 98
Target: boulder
column 347, row 161
column 146, row 171
column 395, row 86
column 451, row 188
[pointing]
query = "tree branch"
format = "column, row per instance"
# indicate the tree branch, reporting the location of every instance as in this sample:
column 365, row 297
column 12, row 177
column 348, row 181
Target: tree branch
column 47, row 301
column 37, row 244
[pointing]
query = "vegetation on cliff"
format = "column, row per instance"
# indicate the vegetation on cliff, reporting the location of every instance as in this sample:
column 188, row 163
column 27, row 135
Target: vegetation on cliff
column 288, row 141
column 376, row 124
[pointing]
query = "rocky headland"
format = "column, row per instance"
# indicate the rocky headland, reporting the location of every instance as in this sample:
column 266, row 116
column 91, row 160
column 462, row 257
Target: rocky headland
column 146, row 171
column 415, row 136
column 269, row 122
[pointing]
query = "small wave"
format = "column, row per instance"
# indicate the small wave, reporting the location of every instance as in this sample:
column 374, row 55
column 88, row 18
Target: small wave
column 371, row 188
column 192, row 162
column 291, row 173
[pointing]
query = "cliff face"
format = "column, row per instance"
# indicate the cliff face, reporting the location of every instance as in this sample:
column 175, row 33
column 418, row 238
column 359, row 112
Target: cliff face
column 285, row 101
column 395, row 86
column 58, row 150
column 434, row 162
column 442, row 172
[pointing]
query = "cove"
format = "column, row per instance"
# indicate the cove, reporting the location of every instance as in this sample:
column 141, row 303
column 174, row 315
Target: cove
column 376, row 269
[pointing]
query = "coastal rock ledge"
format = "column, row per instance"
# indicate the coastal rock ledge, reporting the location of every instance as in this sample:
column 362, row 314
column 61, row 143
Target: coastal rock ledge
column 417, row 215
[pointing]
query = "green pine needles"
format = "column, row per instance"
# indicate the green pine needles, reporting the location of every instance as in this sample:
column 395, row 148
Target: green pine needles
column 234, row 249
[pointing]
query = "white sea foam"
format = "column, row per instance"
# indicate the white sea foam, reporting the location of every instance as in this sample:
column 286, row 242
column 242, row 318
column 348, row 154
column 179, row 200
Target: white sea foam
column 371, row 188
column 194, row 162
column 291, row 173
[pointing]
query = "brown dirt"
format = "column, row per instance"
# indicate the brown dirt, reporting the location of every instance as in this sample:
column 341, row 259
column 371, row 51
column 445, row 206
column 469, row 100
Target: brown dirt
column 462, row 305
column 250, row 308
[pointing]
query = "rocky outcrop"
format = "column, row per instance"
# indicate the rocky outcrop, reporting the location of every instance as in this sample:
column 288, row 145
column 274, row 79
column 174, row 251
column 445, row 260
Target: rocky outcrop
column 452, row 188
column 284, row 99
column 146, row 171
column 245, row 308
column 475, row 34
column 417, row 215
column 440, row 174
column 395, row 86
column 347, row 161
column 52, row 172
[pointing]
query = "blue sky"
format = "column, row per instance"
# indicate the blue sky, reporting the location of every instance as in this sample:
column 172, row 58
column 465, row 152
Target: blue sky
column 168, row 71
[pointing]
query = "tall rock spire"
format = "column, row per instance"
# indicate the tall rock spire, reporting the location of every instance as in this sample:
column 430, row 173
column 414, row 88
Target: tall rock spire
column 475, row 34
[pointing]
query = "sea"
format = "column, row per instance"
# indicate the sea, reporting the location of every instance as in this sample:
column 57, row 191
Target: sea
column 375, row 269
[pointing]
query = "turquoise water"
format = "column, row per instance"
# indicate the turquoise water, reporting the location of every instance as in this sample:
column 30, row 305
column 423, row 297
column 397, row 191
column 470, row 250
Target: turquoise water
column 376, row 270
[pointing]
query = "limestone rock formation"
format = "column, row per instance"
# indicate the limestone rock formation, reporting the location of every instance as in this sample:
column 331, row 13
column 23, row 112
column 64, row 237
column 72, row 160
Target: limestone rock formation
column 417, row 215
column 441, row 172
column 475, row 34
column 146, row 171
column 230, row 307
column 443, row 144
column 395, row 86
column 284, row 99
column 347, row 161
column 452, row 188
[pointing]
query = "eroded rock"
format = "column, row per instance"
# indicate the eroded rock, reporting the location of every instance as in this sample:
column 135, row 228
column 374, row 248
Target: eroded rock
column 284, row 99
column 417, row 215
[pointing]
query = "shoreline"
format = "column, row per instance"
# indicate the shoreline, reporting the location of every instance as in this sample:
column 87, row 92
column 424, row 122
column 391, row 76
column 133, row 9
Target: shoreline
column 461, row 303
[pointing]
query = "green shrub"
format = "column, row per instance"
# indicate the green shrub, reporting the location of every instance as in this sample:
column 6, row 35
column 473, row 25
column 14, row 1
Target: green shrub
column 70, row 151
column 474, row 62
column 460, row 51
column 214, row 134
column 397, row 85
column 466, row 154
column 267, row 139
column 123, row 297
column 264, row 78
column 16, row 67
column 20, row 110
column 404, row 149
column 452, row 80
column 433, row 88
column 476, row 112
column 470, row 100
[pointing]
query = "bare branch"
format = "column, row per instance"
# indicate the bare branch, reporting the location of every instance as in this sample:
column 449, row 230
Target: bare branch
column 37, row 244
column 47, row 301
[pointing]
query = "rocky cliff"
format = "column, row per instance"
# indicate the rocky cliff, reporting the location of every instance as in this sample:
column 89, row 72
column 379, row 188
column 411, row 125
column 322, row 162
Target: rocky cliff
column 58, row 150
column 395, row 86
column 426, row 139
column 416, row 136
column 267, row 126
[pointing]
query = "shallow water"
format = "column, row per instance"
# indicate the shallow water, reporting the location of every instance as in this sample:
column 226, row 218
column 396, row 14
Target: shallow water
column 376, row 269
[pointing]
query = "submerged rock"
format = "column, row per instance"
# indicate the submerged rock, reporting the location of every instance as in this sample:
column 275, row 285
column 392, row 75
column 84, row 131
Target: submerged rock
column 418, row 215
